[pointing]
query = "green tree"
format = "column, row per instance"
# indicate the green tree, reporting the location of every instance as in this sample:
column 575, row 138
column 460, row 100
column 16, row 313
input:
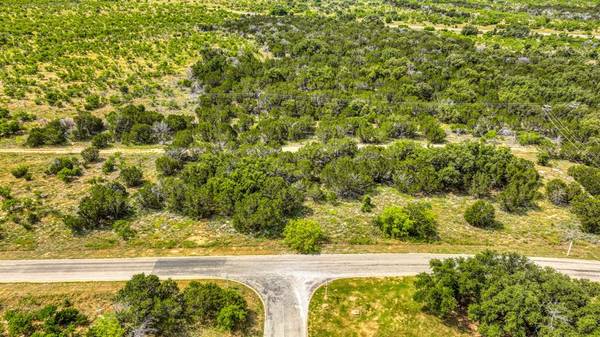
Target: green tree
column 87, row 126
column 168, row 166
column 210, row 304
column 345, row 178
column 556, row 191
column 147, row 305
column 259, row 215
column 522, row 188
column 103, row 205
column 21, row 171
column 141, row 134
column 151, row 196
column 588, row 177
column 232, row 317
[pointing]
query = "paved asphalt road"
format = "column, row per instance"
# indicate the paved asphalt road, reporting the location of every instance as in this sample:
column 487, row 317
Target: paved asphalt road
column 284, row 282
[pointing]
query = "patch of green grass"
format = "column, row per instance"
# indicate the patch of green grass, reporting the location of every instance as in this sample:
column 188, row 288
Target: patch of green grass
column 374, row 307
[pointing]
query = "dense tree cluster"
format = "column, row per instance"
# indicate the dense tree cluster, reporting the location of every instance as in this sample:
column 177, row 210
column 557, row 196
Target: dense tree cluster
column 260, row 187
column 513, row 18
column 151, row 306
column 506, row 295
column 53, row 133
column 309, row 77
column 145, row 306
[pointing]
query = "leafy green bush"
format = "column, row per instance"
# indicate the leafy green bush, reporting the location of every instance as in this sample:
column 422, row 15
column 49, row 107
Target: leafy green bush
column 168, row 166
column 92, row 102
column 433, row 131
column 414, row 221
column 90, row 154
column 106, row 326
column 183, row 138
column 147, row 303
column 132, row 176
column 481, row 214
column 110, row 165
column 133, row 123
column 101, row 140
column 469, row 30
column 47, row 321
column 68, row 174
column 21, row 171
column 178, row 122
column 522, row 189
column 60, row 163
column 65, row 168
column 543, row 158
column 260, row 215
column 151, row 196
column 54, row 133
column 304, row 236
column 367, row 205
column 103, row 205
column 141, row 134
column 232, row 317
column 87, row 126
column 9, row 128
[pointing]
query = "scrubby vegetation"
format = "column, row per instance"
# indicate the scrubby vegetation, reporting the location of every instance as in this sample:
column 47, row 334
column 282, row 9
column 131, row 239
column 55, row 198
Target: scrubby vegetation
column 481, row 214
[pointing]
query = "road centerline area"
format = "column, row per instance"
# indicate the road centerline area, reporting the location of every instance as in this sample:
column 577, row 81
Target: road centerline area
column 284, row 282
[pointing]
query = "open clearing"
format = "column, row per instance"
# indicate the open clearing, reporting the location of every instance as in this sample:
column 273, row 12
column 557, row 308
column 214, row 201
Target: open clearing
column 375, row 308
